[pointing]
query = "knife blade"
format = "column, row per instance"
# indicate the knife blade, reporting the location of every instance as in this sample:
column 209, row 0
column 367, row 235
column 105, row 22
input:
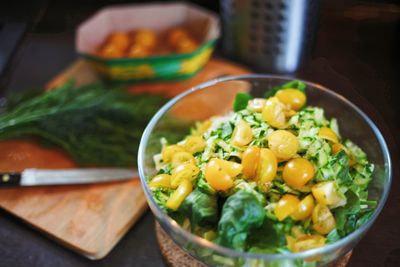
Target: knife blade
column 36, row 177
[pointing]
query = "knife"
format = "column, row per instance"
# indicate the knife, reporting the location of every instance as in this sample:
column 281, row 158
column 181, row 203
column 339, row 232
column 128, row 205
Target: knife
column 36, row 177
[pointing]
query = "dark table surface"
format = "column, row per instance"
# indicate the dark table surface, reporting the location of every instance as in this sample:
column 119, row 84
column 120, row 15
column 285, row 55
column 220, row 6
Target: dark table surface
column 356, row 53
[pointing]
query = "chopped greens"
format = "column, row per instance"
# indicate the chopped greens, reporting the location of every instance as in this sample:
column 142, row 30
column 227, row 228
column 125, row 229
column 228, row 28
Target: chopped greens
column 272, row 179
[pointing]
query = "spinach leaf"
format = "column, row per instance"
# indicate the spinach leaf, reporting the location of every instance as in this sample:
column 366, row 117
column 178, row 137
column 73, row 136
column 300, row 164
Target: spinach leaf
column 200, row 208
column 364, row 216
column 266, row 238
column 205, row 187
column 346, row 216
column 241, row 214
column 241, row 100
column 292, row 84
column 333, row 236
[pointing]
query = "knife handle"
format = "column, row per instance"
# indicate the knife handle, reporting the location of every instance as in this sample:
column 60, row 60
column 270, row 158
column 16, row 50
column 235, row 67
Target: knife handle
column 10, row 179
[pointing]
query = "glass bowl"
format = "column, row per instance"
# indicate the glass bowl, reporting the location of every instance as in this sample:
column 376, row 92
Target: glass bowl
column 215, row 98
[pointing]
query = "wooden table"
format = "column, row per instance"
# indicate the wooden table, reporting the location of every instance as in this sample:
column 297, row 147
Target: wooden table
column 356, row 53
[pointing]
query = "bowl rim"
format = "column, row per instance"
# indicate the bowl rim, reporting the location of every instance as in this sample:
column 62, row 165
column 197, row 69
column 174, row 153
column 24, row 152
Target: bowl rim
column 354, row 236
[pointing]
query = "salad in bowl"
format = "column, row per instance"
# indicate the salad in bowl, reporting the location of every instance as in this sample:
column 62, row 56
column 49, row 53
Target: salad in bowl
column 273, row 176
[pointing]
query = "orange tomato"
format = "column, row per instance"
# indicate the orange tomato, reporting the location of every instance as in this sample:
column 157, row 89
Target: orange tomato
column 175, row 35
column 186, row 45
column 138, row 50
column 145, row 38
column 120, row 40
column 111, row 51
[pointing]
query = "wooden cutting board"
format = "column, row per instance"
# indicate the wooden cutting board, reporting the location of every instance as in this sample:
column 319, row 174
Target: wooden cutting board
column 89, row 219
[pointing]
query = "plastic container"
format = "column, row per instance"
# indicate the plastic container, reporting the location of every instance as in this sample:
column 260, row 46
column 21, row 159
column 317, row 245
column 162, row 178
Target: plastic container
column 204, row 25
column 354, row 124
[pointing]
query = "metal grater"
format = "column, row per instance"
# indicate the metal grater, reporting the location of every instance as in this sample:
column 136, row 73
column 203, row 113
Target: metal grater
column 269, row 35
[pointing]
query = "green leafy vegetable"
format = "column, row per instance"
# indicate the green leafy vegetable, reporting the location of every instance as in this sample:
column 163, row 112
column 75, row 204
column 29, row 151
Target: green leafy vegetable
column 266, row 238
column 333, row 236
column 241, row 214
column 352, row 215
column 244, row 216
column 204, row 187
column 200, row 208
column 94, row 124
column 292, row 84
column 241, row 101
column 161, row 196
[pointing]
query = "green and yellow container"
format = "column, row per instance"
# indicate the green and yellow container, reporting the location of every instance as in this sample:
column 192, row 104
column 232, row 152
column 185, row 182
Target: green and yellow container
column 159, row 18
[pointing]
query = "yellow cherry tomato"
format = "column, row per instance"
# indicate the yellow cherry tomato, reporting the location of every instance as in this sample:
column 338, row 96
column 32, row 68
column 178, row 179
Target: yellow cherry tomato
column 297, row 172
column 293, row 98
column 283, row 143
column 297, row 232
column 304, row 209
column 161, row 180
column 286, row 206
column 179, row 195
column 168, row 151
column 182, row 157
column 257, row 104
column 119, row 40
column 326, row 193
column 242, row 134
column 231, row 168
column 328, row 134
column 187, row 171
column 266, row 168
column 289, row 113
column 305, row 242
column 250, row 160
column 216, row 177
column 323, row 220
column 194, row 144
column 274, row 113
column 145, row 38
column 202, row 127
